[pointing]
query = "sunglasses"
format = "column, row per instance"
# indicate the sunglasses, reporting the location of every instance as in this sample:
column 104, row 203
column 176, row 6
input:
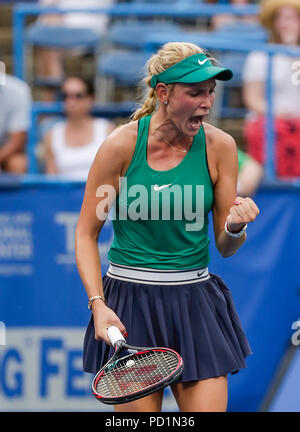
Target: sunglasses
column 78, row 95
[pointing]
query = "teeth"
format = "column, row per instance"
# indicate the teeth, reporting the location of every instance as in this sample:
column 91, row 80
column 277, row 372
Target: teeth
column 195, row 122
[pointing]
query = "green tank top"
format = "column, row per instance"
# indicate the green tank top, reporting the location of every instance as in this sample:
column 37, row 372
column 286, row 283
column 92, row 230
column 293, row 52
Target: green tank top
column 160, row 218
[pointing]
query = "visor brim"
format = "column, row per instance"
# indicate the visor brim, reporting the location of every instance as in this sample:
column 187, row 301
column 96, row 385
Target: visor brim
column 222, row 74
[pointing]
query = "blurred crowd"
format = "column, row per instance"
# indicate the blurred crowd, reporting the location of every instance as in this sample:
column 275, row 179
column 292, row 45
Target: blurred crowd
column 69, row 146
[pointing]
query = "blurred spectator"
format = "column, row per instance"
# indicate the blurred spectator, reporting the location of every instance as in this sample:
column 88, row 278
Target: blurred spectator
column 15, row 97
column 71, row 145
column 282, row 18
column 221, row 20
column 50, row 61
column 250, row 174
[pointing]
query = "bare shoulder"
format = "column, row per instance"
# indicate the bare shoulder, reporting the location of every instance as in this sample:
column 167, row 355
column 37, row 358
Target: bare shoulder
column 47, row 139
column 218, row 139
column 119, row 145
column 124, row 134
column 221, row 152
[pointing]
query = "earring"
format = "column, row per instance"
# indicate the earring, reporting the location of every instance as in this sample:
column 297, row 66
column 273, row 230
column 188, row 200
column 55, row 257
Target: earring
column 166, row 102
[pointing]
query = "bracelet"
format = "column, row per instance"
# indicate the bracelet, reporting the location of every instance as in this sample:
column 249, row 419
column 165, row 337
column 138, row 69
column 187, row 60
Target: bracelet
column 91, row 300
column 237, row 234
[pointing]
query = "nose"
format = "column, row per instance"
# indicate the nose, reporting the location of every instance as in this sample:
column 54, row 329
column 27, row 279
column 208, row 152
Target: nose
column 206, row 102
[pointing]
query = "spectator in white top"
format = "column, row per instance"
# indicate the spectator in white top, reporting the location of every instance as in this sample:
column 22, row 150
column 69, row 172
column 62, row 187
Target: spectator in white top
column 71, row 145
column 282, row 18
column 15, row 106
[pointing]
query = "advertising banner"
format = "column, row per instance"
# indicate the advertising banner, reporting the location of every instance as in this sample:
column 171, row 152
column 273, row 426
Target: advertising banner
column 43, row 304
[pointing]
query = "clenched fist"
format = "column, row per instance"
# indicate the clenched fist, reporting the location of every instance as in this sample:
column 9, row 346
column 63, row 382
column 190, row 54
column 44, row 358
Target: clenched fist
column 242, row 212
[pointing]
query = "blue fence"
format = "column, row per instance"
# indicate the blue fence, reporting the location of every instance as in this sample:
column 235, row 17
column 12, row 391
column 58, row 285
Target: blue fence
column 182, row 10
column 126, row 10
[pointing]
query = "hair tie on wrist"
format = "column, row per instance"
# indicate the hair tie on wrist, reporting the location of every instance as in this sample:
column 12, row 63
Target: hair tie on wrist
column 237, row 234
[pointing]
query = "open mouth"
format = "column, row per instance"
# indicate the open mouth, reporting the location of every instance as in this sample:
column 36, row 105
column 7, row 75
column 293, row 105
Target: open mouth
column 196, row 122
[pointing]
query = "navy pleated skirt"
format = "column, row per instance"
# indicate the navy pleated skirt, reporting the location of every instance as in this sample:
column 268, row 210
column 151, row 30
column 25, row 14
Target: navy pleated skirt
column 198, row 320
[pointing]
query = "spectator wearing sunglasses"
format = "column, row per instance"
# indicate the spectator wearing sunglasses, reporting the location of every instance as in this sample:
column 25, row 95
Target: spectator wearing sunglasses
column 71, row 145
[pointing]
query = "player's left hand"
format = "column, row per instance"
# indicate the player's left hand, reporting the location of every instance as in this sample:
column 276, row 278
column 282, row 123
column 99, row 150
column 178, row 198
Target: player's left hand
column 242, row 212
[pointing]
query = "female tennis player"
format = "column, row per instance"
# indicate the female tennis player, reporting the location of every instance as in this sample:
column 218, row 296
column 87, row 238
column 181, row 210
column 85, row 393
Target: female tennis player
column 165, row 171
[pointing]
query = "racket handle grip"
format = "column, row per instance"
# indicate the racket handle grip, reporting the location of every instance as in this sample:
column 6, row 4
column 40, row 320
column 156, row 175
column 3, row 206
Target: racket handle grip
column 114, row 335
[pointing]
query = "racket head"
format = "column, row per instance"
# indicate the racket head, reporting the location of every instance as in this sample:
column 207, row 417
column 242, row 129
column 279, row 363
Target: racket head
column 133, row 376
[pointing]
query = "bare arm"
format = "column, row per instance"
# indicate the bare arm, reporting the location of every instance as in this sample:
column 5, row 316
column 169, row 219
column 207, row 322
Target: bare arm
column 237, row 215
column 103, row 179
column 49, row 160
column 249, row 178
column 254, row 97
column 15, row 143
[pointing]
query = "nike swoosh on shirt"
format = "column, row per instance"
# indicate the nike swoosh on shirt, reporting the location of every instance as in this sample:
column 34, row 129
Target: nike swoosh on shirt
column 157, row 188
column 201, row 63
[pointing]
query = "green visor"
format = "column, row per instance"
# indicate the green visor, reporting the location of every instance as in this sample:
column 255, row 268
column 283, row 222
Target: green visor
column 192, row 69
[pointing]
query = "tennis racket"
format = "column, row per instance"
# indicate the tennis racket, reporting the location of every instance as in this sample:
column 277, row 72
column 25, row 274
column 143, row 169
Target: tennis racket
column 134, row 372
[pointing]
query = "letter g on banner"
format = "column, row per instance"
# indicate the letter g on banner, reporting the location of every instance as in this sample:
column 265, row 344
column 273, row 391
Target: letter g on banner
column 2, row 333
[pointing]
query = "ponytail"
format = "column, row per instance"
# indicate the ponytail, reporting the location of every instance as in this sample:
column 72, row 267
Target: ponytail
column 148, row 107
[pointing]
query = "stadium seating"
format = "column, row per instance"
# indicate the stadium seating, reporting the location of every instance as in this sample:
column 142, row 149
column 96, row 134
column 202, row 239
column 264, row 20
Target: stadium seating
column 231, row 105
column 132, row 34
column 125, row 67
column 245, row 30
column 66, row 38
column 129, row 35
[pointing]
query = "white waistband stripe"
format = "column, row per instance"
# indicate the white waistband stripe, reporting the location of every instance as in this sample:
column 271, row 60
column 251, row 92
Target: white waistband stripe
column 156, row 276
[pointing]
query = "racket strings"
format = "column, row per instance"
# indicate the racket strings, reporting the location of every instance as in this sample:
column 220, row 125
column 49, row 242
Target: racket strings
column 136, row 372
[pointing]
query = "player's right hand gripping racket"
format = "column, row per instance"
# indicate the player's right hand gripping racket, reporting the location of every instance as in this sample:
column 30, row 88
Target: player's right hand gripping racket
column 134, row 372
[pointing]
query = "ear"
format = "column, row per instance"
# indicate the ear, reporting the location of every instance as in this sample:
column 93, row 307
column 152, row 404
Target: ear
column 162, row 92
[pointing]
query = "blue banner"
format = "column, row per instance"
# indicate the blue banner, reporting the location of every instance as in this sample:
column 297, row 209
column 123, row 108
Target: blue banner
column 265, row 285
column 43, row 308
column 287, row 396
column 40, row 282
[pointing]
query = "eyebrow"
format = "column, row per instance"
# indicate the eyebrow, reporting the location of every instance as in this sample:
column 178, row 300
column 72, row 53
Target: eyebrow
column 196, row 86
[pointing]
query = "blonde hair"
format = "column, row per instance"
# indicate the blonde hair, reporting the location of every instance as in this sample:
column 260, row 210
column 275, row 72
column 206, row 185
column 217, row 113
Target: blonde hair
column 170, row 54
